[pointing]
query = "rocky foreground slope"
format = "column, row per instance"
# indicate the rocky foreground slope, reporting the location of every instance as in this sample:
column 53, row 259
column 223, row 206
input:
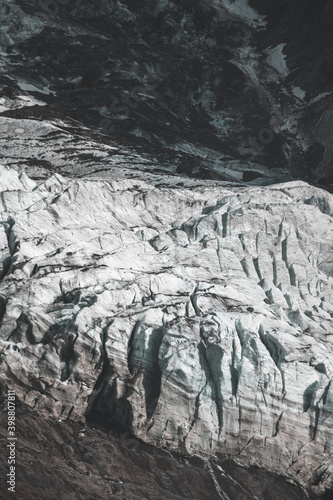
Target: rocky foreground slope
column 73, row 461
column 197, row 315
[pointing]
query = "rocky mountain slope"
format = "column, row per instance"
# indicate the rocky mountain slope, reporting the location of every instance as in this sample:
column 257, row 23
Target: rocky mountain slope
column 166, row 246
column 217, row 89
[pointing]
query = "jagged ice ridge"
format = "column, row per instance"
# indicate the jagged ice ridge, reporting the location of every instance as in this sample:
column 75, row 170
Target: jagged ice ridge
column 200, row 318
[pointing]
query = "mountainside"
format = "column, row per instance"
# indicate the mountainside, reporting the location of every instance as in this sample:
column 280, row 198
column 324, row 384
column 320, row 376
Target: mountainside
column 166, row 236
column 208, row 89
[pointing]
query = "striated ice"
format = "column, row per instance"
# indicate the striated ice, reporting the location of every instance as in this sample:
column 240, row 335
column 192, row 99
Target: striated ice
column 201, row 318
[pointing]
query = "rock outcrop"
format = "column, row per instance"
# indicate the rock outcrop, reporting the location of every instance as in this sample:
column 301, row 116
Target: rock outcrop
column 199, row 317
column 231, row 90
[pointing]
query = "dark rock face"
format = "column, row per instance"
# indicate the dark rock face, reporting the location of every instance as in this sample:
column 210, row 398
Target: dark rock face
column 306, row 30
column 227, row 87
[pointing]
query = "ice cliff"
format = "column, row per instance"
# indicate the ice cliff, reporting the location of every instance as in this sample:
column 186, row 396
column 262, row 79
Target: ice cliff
column 198, row 316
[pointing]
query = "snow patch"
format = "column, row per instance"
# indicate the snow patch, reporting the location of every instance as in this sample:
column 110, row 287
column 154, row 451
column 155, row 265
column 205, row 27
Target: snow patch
column 276, row 59
column 241, row 9
column 31, row 101
column 319, row 97
column 298, row 92
column 32, row 88
column 6, row 104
